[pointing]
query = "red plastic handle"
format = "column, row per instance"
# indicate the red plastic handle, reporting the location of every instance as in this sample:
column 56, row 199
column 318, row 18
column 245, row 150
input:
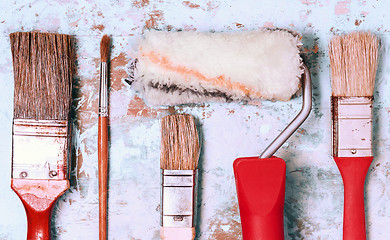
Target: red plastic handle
column 354, row 171
column 260, row 187
column 38, row 198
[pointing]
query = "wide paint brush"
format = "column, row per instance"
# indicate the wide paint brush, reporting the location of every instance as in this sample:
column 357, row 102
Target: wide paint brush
column 103, row 136
column 353, row 63
column 179, row 163
column 43, row 65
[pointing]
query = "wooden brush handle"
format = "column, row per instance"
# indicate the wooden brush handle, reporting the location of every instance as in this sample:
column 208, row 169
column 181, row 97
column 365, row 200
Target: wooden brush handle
column 171, row 233
column 353, row 171
column 103, row 164
column 38, row 198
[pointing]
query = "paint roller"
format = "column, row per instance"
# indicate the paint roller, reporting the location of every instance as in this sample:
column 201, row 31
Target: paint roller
column 196, row 67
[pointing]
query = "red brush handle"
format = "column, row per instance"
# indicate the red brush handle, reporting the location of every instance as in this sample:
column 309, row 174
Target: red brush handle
column 103, row 167
column 354, row 171
column 260, row 190
column 38, row 198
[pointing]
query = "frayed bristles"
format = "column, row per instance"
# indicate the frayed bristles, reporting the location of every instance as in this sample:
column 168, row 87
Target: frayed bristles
column 43, row 70
column 179, row 143
column 105, row 48
column 353, row 63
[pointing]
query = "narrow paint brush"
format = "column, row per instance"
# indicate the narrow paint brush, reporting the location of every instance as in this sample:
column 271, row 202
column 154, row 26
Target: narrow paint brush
column 43, row 65
column 179, row 163
column 103, row 136
column 353, row 62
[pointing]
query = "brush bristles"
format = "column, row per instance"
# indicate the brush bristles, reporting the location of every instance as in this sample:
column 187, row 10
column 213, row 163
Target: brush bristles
column 43, row 71
column 105, row 48
column 179, row 143
column 353, row 63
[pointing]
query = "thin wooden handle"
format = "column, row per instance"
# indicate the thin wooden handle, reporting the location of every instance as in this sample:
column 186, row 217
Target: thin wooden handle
column 38, row 198
column 103, row 164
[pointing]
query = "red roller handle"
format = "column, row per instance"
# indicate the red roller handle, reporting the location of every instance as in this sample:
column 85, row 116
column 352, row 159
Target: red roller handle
column 260, row 187
column 38, row 198
column 354, row 171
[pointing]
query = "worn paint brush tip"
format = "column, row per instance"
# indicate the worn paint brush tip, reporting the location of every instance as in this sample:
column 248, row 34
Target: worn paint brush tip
column 353, row 63
column 179, row 143
column 105, row 48
column 43, row 65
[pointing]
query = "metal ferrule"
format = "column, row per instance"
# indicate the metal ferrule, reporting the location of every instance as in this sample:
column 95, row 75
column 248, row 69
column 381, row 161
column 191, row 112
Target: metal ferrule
column 178, row 198
column 352, row 126
column 40, row 149
column 103, row 93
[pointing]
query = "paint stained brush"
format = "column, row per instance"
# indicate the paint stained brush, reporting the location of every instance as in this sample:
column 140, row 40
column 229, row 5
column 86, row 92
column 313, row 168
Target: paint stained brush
column 178, row 163
column 103, row 136
column 43, row 65
column 353, row 63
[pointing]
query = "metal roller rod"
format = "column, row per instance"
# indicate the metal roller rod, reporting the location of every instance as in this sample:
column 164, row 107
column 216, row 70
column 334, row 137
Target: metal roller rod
column 298, row 120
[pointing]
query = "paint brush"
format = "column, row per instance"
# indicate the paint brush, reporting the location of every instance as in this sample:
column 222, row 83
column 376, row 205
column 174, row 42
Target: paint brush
column 103, row 136
column 353, row 63
column 43, row 65
column 178, row 163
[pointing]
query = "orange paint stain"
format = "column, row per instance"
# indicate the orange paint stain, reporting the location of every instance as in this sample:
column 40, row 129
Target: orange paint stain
column 155, row 17
column 304, row 15
column 189, row 28
column 239, row 25
column 311, row 50
column 138, row 108
column 60, row 230
column 212, row 5
column 140, row 3
column 99, row 27
column 334, row 31
column 118, row 71
column 206, row 115
column 190, row 5
column 358, row 22
column 302, row 131
column 225, row 219
column 187, row 73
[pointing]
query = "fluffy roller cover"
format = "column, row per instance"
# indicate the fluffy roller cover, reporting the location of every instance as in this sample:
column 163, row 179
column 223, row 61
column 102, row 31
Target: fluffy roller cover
column 194, row 67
